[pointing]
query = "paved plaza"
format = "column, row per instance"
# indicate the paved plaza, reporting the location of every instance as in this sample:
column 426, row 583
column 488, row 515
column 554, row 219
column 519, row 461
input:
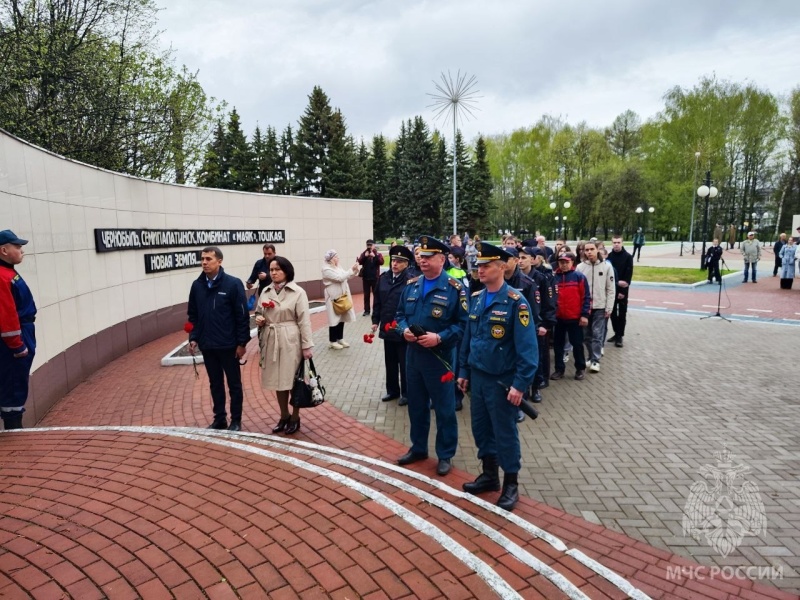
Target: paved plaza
column 123, row 501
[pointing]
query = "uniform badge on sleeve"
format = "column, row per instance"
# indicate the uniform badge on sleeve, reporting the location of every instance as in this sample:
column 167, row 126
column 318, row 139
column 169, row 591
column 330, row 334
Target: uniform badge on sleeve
column 524, row 318
column 464, row 304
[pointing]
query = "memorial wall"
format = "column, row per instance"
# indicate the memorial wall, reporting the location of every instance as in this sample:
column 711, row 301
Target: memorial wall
column 111, row 257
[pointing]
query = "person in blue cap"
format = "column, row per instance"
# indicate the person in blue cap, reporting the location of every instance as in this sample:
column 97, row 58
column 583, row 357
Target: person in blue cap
column 431, row 314
column 17, row 330
column 498, row 360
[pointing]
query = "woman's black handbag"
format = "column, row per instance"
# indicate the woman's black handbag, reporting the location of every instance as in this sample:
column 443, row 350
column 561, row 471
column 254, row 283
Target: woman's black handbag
column 307, row 393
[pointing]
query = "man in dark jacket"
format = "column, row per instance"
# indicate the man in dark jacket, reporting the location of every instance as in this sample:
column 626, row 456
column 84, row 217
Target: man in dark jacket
column 515, row 278
column 260, row 271
column 622, row 262
column 221, row 329
column 370, row 261
column 545, row 298
column 572, row 315
column 387, row 295
column 713, row 256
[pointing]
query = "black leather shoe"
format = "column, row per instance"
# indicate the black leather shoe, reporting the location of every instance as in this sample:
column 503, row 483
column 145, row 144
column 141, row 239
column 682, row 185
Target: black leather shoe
column 293, row 426
column 365, row 314
column 444, row 466
column 281, row 426
column 459, row 405
column 537, row 397
column 218, row 424
column 557, row 375
column 580, row 375
column 618, row 343
column 510, row 496
column 403, row 401
column 612, row 339
column 236, row 425
column 520, row 416
column 544, row 385
column 411, row 457
column 389, row 397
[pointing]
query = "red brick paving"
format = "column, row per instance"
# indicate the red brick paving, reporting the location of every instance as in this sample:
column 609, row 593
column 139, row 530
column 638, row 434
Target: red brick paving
column 120, row 514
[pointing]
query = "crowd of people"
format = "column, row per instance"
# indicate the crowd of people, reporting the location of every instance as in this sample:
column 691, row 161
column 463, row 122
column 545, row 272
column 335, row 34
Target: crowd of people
column 489, row 317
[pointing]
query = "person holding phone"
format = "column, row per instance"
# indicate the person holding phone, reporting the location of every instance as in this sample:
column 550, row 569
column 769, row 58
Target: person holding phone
column 370, row 261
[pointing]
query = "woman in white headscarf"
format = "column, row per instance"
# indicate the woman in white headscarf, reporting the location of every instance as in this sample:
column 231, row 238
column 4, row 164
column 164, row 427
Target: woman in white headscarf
column 334, row 278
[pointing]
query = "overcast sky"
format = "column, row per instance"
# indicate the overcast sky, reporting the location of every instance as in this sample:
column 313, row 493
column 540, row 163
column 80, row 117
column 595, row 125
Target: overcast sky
column 584, row 60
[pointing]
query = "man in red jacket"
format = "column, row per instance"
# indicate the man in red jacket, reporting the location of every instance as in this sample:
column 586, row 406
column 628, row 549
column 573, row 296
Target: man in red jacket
column 572, row 315
column 17, row 331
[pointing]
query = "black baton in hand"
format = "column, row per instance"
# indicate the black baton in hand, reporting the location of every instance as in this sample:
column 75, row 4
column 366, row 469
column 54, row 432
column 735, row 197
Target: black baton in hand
column 525, row 406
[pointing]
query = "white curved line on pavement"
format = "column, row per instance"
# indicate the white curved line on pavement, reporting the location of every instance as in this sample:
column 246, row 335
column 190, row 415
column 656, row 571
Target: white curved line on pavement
column 483, row 570
column 518, row 552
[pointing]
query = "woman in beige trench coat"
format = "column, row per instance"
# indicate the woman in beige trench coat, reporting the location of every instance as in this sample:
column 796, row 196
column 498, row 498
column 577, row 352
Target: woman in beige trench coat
column 284, row 337
column 334, row 278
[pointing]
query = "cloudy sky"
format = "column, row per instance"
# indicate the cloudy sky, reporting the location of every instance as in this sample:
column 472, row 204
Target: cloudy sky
column 583, row 60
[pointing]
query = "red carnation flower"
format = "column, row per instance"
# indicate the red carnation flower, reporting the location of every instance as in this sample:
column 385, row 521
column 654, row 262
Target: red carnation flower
column 188, row 327
column 264, row 304
column 394, row 325
column 449, row 376
column 387, row 328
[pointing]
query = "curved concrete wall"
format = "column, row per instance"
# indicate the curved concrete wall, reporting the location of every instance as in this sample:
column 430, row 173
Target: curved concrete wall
column 93, row 306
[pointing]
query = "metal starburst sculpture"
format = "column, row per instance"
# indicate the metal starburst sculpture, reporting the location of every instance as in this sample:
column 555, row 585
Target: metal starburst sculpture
column 456, row 98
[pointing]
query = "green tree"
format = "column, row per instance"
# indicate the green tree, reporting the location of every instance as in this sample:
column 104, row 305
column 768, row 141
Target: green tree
column 378, row 188
column 286, row 182
column 241, row 159
column 313, row 144
column 625, row 135
column 84, row 79
column 476, row 212
column 214, row 172
column 419, row 203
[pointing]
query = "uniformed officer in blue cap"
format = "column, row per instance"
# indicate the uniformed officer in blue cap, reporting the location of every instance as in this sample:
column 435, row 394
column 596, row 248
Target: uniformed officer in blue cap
column 431, row 314
column 498, row 361
column 17, row 331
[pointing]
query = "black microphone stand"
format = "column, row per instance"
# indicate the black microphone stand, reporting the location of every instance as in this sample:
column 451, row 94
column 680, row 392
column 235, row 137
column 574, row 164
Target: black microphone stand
column 719, row 296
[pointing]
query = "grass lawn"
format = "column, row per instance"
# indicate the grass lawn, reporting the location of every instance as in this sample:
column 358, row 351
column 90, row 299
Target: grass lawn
column 668, row 274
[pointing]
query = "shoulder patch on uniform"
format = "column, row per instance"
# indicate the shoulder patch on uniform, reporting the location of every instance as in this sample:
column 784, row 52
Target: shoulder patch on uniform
column 412, row 280
column 476, row 293
column 513, row 295
column 455, row 283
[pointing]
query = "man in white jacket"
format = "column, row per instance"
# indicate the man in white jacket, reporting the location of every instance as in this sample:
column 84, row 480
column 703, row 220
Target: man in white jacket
column 600, row 275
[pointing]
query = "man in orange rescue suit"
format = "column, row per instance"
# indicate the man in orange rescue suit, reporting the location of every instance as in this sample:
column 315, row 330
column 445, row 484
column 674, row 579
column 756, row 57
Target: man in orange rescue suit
column 18, row 333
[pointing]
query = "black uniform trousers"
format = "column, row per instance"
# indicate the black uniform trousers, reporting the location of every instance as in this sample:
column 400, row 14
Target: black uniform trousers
column 369, row 291
column 220, row 365
column 543, row 370
column 394, row 356
column 619, row 315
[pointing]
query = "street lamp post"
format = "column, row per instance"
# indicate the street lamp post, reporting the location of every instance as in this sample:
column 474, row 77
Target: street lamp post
column 694, row 200
column 708, row 192
column 560, row 218
column 640, row 211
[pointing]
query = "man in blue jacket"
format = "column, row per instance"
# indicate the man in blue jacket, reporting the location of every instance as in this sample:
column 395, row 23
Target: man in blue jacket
column 221, row 329
column 498, row 361
column 431, row 314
